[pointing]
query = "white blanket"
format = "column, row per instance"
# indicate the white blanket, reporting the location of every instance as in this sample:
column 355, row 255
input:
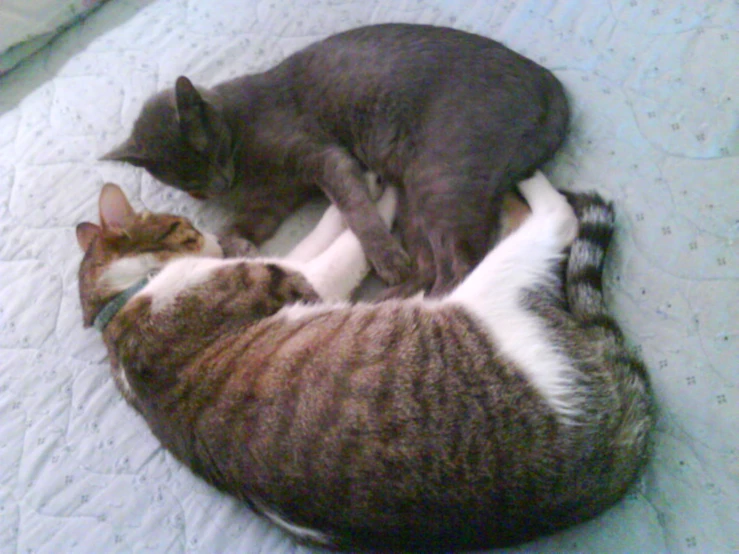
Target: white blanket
column 27, row 25
column 654, row 88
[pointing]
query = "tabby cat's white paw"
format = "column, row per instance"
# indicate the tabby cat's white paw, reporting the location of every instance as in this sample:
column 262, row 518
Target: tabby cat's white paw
column 550, row 209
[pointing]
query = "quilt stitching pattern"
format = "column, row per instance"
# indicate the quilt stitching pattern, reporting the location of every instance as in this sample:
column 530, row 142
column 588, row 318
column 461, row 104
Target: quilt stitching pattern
column 654, row 89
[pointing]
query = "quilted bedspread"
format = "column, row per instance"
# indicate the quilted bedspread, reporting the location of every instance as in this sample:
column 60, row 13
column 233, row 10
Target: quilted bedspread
column 28, row 25
column 654, row 86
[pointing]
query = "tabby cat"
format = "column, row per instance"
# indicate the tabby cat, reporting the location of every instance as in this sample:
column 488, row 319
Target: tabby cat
column 454, row 118
column 504, row 411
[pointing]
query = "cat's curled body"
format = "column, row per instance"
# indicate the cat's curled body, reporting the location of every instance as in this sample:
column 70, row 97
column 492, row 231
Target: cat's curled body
column 499, row 413
column 453, row 118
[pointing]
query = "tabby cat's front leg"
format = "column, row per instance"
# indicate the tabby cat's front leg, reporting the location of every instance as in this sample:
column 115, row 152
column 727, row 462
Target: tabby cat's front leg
column 341, row 267
column 330, row 226
column 340, row 176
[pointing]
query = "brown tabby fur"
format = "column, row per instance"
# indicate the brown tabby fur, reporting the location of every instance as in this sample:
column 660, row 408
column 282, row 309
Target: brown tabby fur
column 386, row 427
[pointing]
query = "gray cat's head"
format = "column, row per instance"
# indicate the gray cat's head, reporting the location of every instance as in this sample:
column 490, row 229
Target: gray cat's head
column 182, row 139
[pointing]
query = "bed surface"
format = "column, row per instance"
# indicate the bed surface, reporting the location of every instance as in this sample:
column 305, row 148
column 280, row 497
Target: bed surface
column 28, row 25
column 655, row 92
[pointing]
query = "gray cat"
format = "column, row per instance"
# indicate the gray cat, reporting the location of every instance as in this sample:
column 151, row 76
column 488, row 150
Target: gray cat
column 506, row 410
column 455, row 119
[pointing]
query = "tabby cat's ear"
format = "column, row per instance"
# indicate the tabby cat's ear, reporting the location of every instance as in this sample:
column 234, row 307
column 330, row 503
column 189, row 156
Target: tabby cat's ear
column 191, row 113
column 127, row 152
column 86, row 233
column 114, row 208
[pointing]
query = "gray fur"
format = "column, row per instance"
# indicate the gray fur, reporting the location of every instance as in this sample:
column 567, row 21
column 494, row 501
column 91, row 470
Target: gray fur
column 454, row 119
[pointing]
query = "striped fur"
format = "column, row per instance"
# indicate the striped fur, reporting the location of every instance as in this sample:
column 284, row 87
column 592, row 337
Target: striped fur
column 584, row 293
column 506, row 411
column 523, row 262
column 583, row 284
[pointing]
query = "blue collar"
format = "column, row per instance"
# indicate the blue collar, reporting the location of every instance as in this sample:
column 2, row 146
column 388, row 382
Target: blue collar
column 118, row 301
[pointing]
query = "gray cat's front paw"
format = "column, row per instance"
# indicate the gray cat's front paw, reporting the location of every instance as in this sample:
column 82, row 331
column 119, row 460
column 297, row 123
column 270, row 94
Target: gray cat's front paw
column 234, row 246
column 392, row 265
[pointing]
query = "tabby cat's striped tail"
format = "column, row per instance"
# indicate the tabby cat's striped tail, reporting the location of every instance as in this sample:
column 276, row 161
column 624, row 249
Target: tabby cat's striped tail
column 618, row 371
column 583, row 279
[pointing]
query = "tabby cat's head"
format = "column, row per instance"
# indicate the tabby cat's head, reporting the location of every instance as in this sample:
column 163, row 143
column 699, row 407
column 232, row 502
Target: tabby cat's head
column 128, row 246
column 182, row 139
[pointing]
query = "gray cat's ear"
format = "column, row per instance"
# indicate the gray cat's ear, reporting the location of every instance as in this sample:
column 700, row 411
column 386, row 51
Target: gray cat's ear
column 86, row 233
column 114, row 208
column 191, row 113
column 128, row 152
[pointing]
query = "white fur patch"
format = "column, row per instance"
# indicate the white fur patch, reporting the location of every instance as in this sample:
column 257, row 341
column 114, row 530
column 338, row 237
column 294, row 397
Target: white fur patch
column 320, row 238
column 493, row 292
column 296, row 312
column 179, row 275
column 333, row 274
column 128, row 271
column 122, row 380
column 332, row 223
column 339, row 269
column 296, row 530
column 520, row 335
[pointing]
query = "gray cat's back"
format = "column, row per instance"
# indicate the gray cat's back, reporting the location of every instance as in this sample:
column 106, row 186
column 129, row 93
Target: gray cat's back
column 416, row 50
column 423, row 82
